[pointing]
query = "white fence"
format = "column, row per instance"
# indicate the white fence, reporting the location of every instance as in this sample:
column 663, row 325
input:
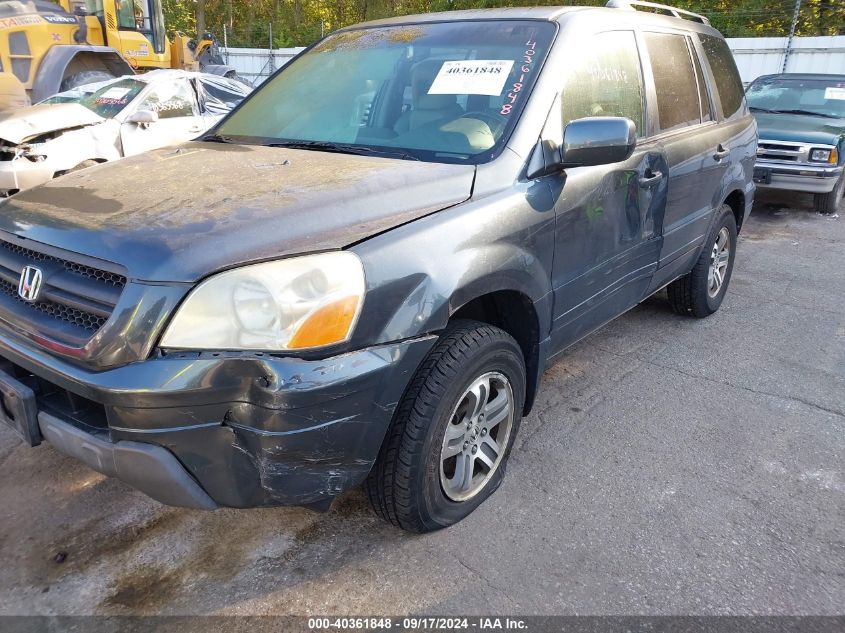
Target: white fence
column 256, row 64
column 755, row 56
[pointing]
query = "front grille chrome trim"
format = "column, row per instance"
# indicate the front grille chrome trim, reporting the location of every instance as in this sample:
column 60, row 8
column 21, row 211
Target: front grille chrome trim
column 789, row 152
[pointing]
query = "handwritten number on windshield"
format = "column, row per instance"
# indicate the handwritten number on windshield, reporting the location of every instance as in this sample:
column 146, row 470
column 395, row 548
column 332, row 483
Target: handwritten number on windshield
column 527, row 65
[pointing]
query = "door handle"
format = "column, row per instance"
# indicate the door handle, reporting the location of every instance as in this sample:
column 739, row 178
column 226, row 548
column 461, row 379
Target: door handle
column 653, row 179
column 196, row 128
column 721, row 152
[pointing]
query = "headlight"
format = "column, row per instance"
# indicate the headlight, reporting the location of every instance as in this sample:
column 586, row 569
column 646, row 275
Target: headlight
column 823, row 156
column 289, row 304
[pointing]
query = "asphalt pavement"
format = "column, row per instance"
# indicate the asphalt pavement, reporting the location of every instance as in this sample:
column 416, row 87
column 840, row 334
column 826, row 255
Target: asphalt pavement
column 670, row 466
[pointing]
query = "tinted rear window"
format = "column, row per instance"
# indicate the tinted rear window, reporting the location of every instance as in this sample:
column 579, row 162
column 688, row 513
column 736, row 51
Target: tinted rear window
column 723, row 66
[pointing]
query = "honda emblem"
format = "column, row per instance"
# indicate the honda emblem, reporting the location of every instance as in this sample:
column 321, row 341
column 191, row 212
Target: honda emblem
column 30, row 284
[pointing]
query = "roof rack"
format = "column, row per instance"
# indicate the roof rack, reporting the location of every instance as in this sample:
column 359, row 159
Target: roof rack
column 631, row 5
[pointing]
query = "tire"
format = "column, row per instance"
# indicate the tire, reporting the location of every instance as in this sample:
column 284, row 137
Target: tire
column 85, row 77
column 828, row 203
column 411, row 485
column 696, row 293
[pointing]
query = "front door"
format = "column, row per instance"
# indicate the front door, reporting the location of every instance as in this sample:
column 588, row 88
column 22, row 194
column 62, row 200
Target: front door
column 179, row 119
column 608, row 218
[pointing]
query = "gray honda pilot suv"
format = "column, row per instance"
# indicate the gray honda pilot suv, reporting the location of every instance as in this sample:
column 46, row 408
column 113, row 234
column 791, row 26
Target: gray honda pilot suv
column 361, row 273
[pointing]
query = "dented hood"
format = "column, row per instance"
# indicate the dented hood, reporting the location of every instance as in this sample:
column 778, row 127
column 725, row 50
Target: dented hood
column 43, row 118
column 179, row 214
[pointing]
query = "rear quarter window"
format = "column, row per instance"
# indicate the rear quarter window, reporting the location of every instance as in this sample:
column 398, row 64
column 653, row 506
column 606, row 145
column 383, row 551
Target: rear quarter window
column 725, row 74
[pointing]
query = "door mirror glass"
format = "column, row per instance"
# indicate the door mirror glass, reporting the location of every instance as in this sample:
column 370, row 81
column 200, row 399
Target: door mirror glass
column 144, row 117
column 597, row 141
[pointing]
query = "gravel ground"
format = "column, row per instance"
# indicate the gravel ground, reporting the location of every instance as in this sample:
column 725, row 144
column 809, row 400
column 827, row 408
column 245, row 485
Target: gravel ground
column 671, row 466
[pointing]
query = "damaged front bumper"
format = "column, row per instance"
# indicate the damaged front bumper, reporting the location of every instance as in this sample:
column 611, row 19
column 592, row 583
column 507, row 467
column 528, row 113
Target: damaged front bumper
column 18, row 173
column 217, row 429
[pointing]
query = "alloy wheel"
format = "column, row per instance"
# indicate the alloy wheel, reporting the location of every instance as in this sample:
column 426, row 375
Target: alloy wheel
column 476, row 436
column 720, row 257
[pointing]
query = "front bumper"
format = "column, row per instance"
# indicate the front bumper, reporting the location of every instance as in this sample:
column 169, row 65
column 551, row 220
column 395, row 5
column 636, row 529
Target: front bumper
column 808, row 178
column 223, row 429
column 21, row 173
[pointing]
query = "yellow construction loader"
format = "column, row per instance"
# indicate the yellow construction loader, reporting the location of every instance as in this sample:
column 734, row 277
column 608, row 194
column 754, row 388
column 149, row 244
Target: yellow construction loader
column 46, row 47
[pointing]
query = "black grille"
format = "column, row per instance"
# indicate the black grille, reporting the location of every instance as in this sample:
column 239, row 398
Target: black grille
column 80, row 269
column 100, row 275
column 84, row 320
column 75, row 300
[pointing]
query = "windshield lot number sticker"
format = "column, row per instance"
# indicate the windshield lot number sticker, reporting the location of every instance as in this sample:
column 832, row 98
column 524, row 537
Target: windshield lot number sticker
column 834, row 93
column 115, row 93
column 472, row 77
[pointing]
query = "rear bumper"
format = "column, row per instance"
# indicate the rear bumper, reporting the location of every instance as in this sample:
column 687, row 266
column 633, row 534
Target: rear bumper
column 236, row 430
column 808, row 178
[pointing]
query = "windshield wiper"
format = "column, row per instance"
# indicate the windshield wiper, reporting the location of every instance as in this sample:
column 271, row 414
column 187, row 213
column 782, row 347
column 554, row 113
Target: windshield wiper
column 810, row 112
column 756, row 109
column 217, row 138
column 342, row 148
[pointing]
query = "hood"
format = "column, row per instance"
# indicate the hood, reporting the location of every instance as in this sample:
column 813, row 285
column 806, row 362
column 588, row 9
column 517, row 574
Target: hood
column 43, row 118
column 799, row 128
column 178, row 214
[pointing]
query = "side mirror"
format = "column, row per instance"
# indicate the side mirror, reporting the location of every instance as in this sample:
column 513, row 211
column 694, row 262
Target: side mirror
column 589, row 141
column 144, row 118
column 597, row 141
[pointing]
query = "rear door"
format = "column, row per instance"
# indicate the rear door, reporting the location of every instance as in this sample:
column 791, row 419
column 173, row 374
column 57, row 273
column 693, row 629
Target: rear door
column 179, row 118
column 608, row 217
column 685, row 128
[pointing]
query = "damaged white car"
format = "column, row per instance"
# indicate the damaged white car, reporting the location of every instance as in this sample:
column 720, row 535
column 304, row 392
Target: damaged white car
column 109, row 120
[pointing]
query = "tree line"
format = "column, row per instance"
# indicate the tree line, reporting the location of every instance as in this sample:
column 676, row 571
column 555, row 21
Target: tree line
column 302, row 22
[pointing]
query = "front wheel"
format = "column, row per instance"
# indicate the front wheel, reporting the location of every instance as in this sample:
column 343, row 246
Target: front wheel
column 828, row 203
column 447, row 447
column 700, row 292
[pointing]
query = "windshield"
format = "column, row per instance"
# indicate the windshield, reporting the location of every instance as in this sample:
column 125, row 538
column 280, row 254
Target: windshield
column 106, row 99
column 822, row 97
column 441, row 92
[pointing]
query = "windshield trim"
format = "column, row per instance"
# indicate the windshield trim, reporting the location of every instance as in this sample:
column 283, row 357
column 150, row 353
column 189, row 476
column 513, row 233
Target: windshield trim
column 488, row 157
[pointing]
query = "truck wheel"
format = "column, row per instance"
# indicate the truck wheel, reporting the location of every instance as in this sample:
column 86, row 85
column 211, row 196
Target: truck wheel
column 700, row 291
column 828, row 203
column 85, row 77
column 447, row 447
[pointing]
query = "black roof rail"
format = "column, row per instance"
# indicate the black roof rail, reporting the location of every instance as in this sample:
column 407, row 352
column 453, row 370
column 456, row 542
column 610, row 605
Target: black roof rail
column 632, row 5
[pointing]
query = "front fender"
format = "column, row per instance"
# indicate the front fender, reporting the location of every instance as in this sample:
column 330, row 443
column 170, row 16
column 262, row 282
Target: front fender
column 421, row 273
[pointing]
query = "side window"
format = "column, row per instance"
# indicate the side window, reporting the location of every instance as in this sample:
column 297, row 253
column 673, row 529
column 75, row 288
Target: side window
column 606, row 81
column 126, row 14
column 706, row 115
column 170, row 99
column 674, row 81
column 723, row 67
